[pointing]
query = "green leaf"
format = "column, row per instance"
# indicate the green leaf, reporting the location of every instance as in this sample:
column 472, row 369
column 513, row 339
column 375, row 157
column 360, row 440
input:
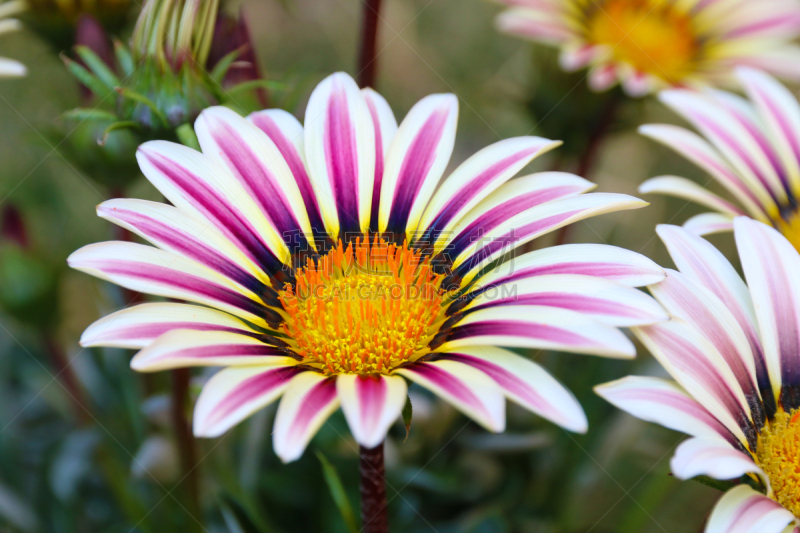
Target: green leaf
column 236, row 517
column 124, row 58
column 82, row 114
column 222, row 66
column 97, row 66
column 255, row 84
column 187, row 137
column 408, row 413
column 714, row 483
column 338, row 493
column 122, row 124
column 85, row 77
column 142, row 99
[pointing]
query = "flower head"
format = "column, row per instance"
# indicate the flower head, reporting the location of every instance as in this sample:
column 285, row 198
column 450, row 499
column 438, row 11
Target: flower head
column 733, row 351
column 330, row 269
column 651, row 44
column 752, row 148
column 8, row 67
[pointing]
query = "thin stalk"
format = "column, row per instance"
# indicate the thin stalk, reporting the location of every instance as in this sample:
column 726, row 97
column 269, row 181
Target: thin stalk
column 185, row 441
column 367, row 64
column 374, row 507
column 588, row 159
column 66, row 375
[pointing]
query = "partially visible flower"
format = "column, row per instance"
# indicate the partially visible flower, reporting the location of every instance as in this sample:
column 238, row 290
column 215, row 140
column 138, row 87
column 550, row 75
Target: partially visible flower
column 8, row 67
column 161, row 81
column 734, row 353
column 752, row 148
column 330, row 269
column 651, row 44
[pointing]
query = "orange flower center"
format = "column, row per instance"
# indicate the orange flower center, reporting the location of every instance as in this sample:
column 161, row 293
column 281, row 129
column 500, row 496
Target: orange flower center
column 778, row 455
column 789, row 226
column 652, row 36
column 364, row 308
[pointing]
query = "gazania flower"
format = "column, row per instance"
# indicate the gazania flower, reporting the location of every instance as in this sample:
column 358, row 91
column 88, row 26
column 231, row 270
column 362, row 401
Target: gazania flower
column 9, row 67
column 751, row 148
column 734, row 353
column 652, row 44
column 330, row 269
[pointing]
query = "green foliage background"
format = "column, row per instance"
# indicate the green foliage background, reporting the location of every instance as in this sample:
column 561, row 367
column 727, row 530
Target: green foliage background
column 113, row 468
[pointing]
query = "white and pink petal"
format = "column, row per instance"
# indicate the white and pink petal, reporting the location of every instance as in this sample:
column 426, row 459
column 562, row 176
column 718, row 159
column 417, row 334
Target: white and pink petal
column 309, row 399
column 186, row 347
column 371, row 404
column 663, row 402
column 233, row 394
column 138, row 326
column 525, row 383
column 743, row 510
column 469, row 390
column 713, row 458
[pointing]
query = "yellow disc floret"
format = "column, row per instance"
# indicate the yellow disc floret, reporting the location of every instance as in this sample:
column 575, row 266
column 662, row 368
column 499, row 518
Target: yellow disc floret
column 363, row 308
column 651, row 35
column 789, row 226
column 778, row 455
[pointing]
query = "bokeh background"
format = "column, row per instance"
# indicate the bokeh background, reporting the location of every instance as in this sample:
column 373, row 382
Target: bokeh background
column 112, row 463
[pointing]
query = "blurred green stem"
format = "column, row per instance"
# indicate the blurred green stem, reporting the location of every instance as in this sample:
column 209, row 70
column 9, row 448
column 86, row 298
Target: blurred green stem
column 589, row 158
column 185, row 440
column 367, row 58
column 374, row 507
column 66, row 375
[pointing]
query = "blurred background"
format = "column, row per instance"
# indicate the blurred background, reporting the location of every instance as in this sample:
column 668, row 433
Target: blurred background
column 87, row 445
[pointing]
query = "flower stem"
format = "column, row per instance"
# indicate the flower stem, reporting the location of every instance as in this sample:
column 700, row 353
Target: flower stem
column 374, row 507
column 367, row 64
column 185, row 440
column 589, row 158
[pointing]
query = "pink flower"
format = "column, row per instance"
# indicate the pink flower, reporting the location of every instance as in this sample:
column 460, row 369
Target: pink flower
column 330, row 269
column 651, row 44
column 733, row 351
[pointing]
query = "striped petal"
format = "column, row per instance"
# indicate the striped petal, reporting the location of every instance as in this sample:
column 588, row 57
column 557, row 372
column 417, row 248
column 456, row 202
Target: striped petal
column 417, row 158
column 255, row 161
column 340, row 154
column 743, row 510
column 712, row 458
column 185, row 347
column 601, row 299
column 138, row 326
column 539, row 25
column 538, row 327
column 469, row 390
column 688, row 190
column 690, row 301
column 525, row 383
column 233, row 394
column 599, row 260
column 701, row 153
column 197, row 185
column 309, row 400
column 171, row 229
column 286, row 133
column 603, row 76
column 771, row 265
column 511, row 199
column 385, row 129
column 371, row 404
column 694, row 363
column 518, row 229
column 709, row 224
column 780, row 115
column 152, row 271
column 663, row 402
column 731, row 138
column 477, row 177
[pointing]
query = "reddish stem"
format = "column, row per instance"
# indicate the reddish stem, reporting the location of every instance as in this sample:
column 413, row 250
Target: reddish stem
column 185, row 439
column 66, row 375
column 367, row 64
column 589, row 158
column 374, row 507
